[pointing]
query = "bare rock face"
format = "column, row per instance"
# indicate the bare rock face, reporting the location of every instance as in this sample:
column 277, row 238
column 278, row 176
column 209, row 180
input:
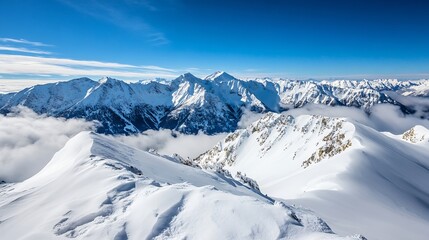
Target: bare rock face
column 416, row 134
column 333, row 143
column 330, row 136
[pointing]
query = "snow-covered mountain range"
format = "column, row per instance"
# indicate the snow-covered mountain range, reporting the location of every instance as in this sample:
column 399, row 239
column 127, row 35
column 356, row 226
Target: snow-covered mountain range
column 257, row 183
column 97, row 188
column 356, row 178
column 190, row 104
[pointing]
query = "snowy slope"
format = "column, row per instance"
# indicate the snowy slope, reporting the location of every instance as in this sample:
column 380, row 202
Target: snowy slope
column 356, row 178
column 190, row 104
column 377, row 84
column 417, row 134
column 97, row 188
column 419, row 88
column 300, row 93
column 50, row 98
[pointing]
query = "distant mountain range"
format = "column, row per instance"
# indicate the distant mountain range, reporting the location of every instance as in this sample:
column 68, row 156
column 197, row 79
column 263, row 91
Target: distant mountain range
column 190, row 104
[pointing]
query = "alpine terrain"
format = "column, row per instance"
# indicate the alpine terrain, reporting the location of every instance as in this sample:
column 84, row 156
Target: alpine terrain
column 355, row 177
column 98, row 188
column 297, row 172
column 189, row 104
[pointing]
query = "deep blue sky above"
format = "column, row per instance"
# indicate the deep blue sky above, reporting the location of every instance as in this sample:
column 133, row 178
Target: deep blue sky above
column 294, row 39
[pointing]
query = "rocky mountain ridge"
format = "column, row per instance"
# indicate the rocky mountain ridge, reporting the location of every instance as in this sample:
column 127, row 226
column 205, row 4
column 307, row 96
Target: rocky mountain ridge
column 190, row 104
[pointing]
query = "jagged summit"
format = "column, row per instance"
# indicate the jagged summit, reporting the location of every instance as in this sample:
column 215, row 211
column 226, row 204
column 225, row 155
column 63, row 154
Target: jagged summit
column 219, row 76
column 85, row 79
column 417, row 134
column 108, row 80
column 187, row 77
column 304, row 140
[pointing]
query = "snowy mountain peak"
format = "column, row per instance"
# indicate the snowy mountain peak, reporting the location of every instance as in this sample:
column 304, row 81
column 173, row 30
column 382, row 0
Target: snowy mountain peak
column 416, row 134
column 305, row 140
column 220, row 76
column 109, row 80
column 85, row 79
column 187, row 77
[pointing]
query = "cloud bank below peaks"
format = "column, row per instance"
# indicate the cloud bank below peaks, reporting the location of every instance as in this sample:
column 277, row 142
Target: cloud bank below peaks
column 28, row 141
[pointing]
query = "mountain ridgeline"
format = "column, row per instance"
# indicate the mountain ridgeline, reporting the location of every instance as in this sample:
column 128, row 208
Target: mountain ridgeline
column 190, row 104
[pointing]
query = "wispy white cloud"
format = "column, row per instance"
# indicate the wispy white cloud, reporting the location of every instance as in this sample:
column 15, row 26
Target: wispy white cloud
column 8, row 85
column 151, row 67
column 169, row 142
column 23, row 41
column 21, row 49
column 39, row 66
column 148, row 4
column 28, row 141
column 158, row 39
column 115, row 13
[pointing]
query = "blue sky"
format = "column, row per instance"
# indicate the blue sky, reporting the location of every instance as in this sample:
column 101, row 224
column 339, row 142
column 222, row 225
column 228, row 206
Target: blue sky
column 139, row 39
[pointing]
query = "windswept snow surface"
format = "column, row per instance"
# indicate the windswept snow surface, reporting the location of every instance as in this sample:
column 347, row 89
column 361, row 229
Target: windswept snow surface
column 97, row 188
column 354, row 177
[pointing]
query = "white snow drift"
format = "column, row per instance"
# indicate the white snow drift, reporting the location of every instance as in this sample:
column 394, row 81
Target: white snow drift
column 97, row 188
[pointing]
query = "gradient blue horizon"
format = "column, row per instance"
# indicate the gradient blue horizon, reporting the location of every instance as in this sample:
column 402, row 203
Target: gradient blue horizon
column 296, row 39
